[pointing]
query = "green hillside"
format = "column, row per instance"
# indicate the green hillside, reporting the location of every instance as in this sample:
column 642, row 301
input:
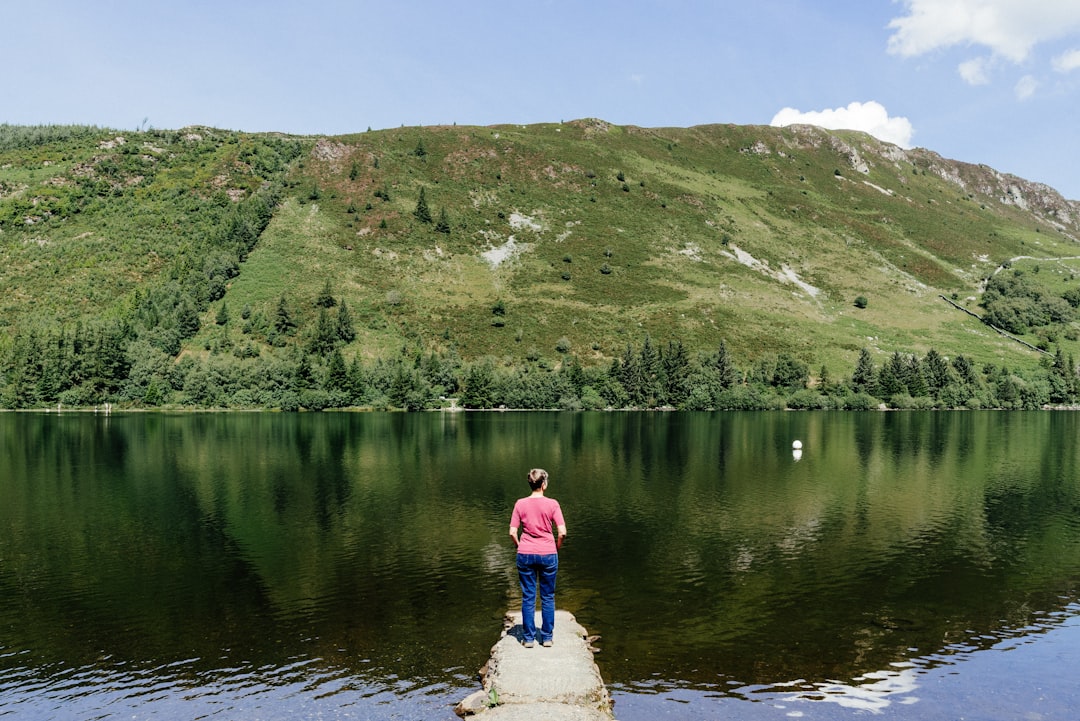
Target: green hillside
column 219, row 253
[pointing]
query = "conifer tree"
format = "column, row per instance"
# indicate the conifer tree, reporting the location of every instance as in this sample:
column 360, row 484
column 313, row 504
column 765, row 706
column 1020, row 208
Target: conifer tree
column 443, row 224
column 326, row 297
column 649, row 364
column 965, row 369
column 479, row 386
column 325, row 338
column 283, row 322
column 187, row 319
column 824, row 381
column 1058, row 377
column 892, row 379
column 357, row 380
column 1072, row 377
column 304, row 375
column 346, row 331
column 676, row 374
column 936, row 372
column 337, row 375
column 863, row 379
column 727, row 374
column 914, row 378
column 422, row 213
column 630, row 376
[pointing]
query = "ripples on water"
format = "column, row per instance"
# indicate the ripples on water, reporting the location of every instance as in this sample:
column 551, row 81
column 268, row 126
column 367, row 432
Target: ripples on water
column 305, row 688
column 1022, row 674
column 920, row 566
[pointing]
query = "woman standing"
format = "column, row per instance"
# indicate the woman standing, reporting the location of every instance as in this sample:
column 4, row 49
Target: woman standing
column 537, row 556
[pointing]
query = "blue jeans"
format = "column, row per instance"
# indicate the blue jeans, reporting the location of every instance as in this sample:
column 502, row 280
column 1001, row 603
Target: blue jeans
column 533, row 568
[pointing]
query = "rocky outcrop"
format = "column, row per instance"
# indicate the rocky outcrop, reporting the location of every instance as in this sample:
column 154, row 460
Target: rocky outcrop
column 980, row 182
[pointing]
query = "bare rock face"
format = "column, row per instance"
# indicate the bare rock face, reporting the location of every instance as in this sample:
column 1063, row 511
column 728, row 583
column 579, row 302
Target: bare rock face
column 980, row 182
column 987, row 184
column 329, row 151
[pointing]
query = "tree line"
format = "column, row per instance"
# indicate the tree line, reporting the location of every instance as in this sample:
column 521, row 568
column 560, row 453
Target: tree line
column 132, row 362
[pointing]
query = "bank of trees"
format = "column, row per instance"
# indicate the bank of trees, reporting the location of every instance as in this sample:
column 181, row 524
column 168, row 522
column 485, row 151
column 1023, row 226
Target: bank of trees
column 1015, row 303
column 133, row 362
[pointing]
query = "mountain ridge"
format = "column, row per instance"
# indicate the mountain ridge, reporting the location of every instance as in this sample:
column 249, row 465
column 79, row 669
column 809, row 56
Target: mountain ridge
column 535, row 243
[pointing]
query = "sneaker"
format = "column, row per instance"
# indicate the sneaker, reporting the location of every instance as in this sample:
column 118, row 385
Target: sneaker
column 546, row 644
column 528, row 644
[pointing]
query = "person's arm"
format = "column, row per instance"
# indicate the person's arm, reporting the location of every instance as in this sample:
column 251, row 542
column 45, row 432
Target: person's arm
column 515, row 523
column 561, row 537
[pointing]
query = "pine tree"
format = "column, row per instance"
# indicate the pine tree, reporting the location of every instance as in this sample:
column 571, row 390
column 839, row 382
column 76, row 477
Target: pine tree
column 346, row 331
column 936, row 372
column 892, row 378
column 443, row 225
column 631, row 377
column 914, row 378
column 726, row 373
column 283, row 322
column 187, row 319
column 337, row 375
column 304, row 376
column 1072, row 384
column 422, row 213
column 649, row 362
column 357, row 380
column 863, row 379
column 326, row 297
column 824, row 381
column 222, row 316
column 574, row 374
column 325, row 338
column 966, row 370
column 479, row 387
column 676, row 373
column 1060, row 372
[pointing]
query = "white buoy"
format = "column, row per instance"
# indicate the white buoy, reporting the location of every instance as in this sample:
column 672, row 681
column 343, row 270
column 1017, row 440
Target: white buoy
column 797, row 445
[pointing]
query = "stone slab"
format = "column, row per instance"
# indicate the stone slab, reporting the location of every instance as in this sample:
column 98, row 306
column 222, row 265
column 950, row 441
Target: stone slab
column 559, row 683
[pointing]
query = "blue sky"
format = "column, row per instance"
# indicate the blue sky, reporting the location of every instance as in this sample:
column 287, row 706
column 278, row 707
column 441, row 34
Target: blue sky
column 985, row 81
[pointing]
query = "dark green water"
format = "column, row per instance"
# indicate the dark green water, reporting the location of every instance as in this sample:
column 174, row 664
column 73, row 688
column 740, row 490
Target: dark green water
column 275, row 566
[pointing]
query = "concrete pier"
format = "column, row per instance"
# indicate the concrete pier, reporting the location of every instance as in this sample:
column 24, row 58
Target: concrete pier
column 560, row 683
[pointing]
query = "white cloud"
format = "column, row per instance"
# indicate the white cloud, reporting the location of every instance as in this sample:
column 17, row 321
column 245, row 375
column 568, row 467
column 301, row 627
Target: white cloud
column 1009, row 28
column 1026, row 87
column 974, row 71
column 1068, row 61
column 870, row 117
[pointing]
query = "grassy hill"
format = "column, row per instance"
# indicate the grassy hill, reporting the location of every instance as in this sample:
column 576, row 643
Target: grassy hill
column 573, row 238
column 761, row 236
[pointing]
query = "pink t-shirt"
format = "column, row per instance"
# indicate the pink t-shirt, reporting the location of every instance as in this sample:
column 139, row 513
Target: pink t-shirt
column 535, row 516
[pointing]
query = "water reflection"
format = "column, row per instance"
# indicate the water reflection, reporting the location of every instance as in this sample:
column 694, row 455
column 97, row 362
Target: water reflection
column 300, row 563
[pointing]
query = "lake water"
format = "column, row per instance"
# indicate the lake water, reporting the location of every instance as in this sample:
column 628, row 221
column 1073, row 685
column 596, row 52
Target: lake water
column 357, row 566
